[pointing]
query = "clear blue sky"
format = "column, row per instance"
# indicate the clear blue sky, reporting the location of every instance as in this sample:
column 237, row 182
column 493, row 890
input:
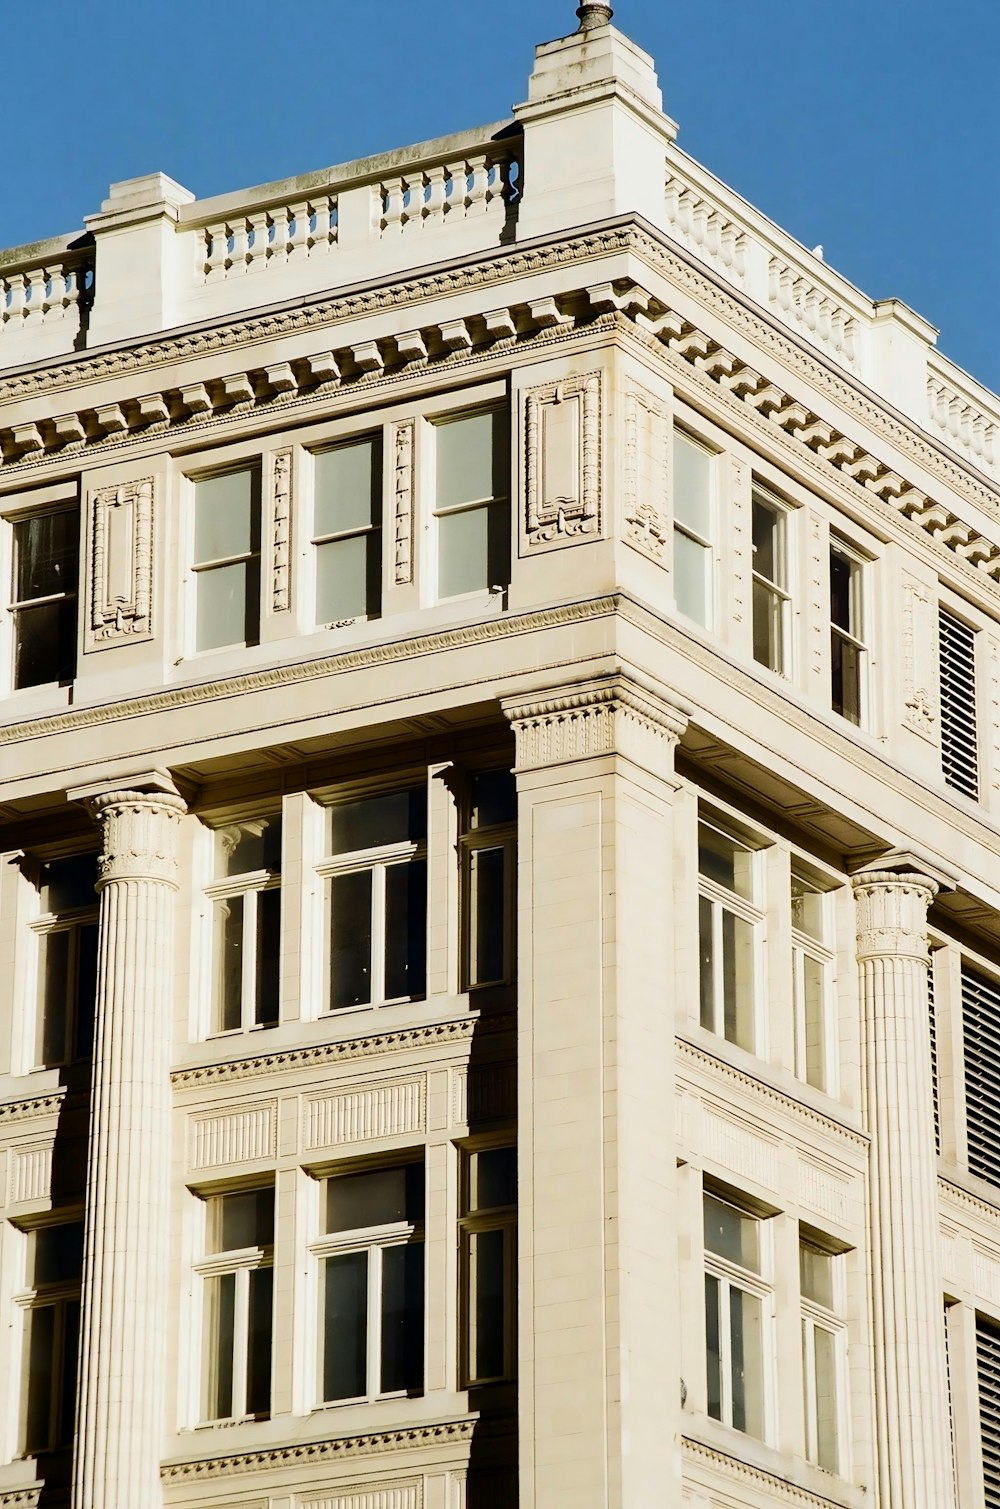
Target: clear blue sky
column 868, row 125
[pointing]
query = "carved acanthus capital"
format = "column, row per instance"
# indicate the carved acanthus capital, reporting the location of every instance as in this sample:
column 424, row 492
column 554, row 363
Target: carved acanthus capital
column 614, row 715
column 892, row 912
column 139, row 828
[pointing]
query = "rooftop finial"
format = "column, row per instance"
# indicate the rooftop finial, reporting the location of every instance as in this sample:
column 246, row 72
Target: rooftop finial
column 593, row 15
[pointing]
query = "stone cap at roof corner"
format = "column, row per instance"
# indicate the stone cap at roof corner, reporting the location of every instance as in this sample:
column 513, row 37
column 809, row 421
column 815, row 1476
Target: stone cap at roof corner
column 134, row 195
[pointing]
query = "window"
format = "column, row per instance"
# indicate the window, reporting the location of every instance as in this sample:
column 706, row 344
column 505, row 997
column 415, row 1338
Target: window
column 981, row 1036
column 347, row 530
column 227, row 559
column 489, row 852
column 471, row 502
column 246, row 913
column 988, row 1370
column 848, row 652
column 371, row 1263
column 489, row 1264
column 43, row 596
column 51, row 1310
column 66, row 934
column 959, row 736
column 771, row 602
column 824, row 1348
column 738, row 1316
column 694, row 487
column 728, row 926
column 812, row 966
column 376, row 899
column 237, row 1289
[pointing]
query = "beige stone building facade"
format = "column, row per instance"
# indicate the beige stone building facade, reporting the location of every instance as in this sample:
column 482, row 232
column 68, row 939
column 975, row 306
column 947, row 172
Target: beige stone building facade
column 499, row 890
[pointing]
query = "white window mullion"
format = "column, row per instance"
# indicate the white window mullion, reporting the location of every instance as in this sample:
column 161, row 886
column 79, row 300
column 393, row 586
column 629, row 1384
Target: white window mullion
column 240, row 1342
column 718, row 972
column 378, row 933
column 248, row 977
column 374, row 1322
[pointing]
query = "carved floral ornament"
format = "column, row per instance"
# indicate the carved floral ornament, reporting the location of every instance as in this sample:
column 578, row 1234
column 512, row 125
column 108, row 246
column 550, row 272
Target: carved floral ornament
column 563, row 461
column 139, row 835
column 121, row 564
column 892, row 912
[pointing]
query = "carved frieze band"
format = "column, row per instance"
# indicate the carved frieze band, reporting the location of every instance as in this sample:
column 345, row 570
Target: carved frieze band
column 281, row 526
column 121, row 564
column 403, row 459
column 563, row 462
column 597, row 718
column 414, row 1438
column 647, row 475
column 242, row 1134
column 920, row 656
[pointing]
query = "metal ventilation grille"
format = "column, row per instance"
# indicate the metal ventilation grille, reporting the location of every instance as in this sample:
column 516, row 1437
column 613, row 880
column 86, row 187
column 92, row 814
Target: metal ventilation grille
column 959, row 745
column 981, row 1028
column 988, row 1368
column 932, row 1024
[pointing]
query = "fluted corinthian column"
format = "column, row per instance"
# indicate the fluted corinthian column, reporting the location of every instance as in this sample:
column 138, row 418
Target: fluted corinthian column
column 910, row 1375
column 123, row 1324
column 598, row 1308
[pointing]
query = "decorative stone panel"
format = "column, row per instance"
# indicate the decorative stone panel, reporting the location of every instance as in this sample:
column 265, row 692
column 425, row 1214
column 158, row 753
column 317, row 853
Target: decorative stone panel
column 563, row 462
column 366, row 1113
column 824, row 1191
column 739, row 1147
column 920, row 659
column 281, row 525
column 242, row 1134
column 403, row 459
column 647, row 472
column 30, row 1172
column 121, row 564
column 397, row 1495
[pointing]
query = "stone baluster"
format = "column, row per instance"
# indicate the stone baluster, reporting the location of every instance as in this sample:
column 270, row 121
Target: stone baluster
column 392, row 213
column 911, row 1383
column 125, row 1299
column 479, row 185
column 213, row 249
column 437, row 193
column 18, row 296
column 239, row 232
column 323, row 231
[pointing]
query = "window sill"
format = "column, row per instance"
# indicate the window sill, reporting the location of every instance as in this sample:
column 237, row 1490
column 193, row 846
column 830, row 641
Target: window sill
column 725, row 1451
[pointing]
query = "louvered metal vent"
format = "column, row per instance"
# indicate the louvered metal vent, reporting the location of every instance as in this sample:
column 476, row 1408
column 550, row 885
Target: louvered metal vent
column 959, row 751
column 932, row 1024
column 981, row 1027
column 988, row 1367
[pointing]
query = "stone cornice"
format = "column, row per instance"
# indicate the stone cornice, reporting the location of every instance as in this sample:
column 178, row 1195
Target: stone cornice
column 594, row 718
column 294, row 1060
column 772, row 1487
column 305, row 1453
column 299, row 672
column 38, row 1105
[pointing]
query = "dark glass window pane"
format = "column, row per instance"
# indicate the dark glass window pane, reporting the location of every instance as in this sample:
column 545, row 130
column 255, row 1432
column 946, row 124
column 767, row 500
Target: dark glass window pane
column 349, row 577
column 252, row 845
column 350, row 939
column 268, row 956
column 259, row 1341
column 347, row 486
column 713, row 1354
column 40, row 1324
column 405, row 929
column 227, row 515
column 54, row 950
column 845, row 678
column 229, row 963
column 45, row 643
column 768, row 628
column 402, row 1361
column 706, row 957
column 494, row 798
column 486, row 1251
column 487, row 907
column 70, row 1359
column 377, row 1197
column 46, row 555
column 498, row 545
column 345, row 1326
column 68, row 883
column 494, row 1178
column 219, row 1335
column 396, row 817
column 86, row 988
column 246, row 1219
column 841, row 577
column 56, row 1254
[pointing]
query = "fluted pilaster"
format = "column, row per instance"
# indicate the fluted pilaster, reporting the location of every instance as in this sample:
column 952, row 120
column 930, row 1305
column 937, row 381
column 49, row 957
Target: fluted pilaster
column 120, row 1401
column 910, row 1374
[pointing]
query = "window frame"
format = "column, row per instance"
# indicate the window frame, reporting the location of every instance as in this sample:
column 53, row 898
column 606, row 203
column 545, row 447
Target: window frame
column 832, row 1320
column 59, row 1295
column 240, row 1261
column 377, row 435
column 709, row 544
column 41, row 926
column 781, row 589
column 372, row 1240
column 473, row 841
column 730, row 1275
column 471, row 1223
column 437, row 420
column 51, row 501
column 805, row 945
column 249, row 885
column 754, row 913
column 253, row 464
column 858, row 638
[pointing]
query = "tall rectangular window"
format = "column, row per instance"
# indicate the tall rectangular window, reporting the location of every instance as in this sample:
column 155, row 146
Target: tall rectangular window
column 959, row 732
column 246, row 915
column 226, row 561
column 43, row 601
column 738, row 1316
column 489, row 848
column 694, row 507
column 347, row 530
column 489, row 1264
column 812, row 969
column 848, row 649
column 51, row 1313
column 771, row 600
column 237, row 1277
column 981, row 1039
column 371, row 1300
column 472, row 502
column 824, row 1346
column 376, row 899
column 729, row 921
column 66, row 932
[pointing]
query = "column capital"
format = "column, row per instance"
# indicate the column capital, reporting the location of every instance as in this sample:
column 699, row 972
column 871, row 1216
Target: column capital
column 892, row 910
column 619, row 713
column 139, row 817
